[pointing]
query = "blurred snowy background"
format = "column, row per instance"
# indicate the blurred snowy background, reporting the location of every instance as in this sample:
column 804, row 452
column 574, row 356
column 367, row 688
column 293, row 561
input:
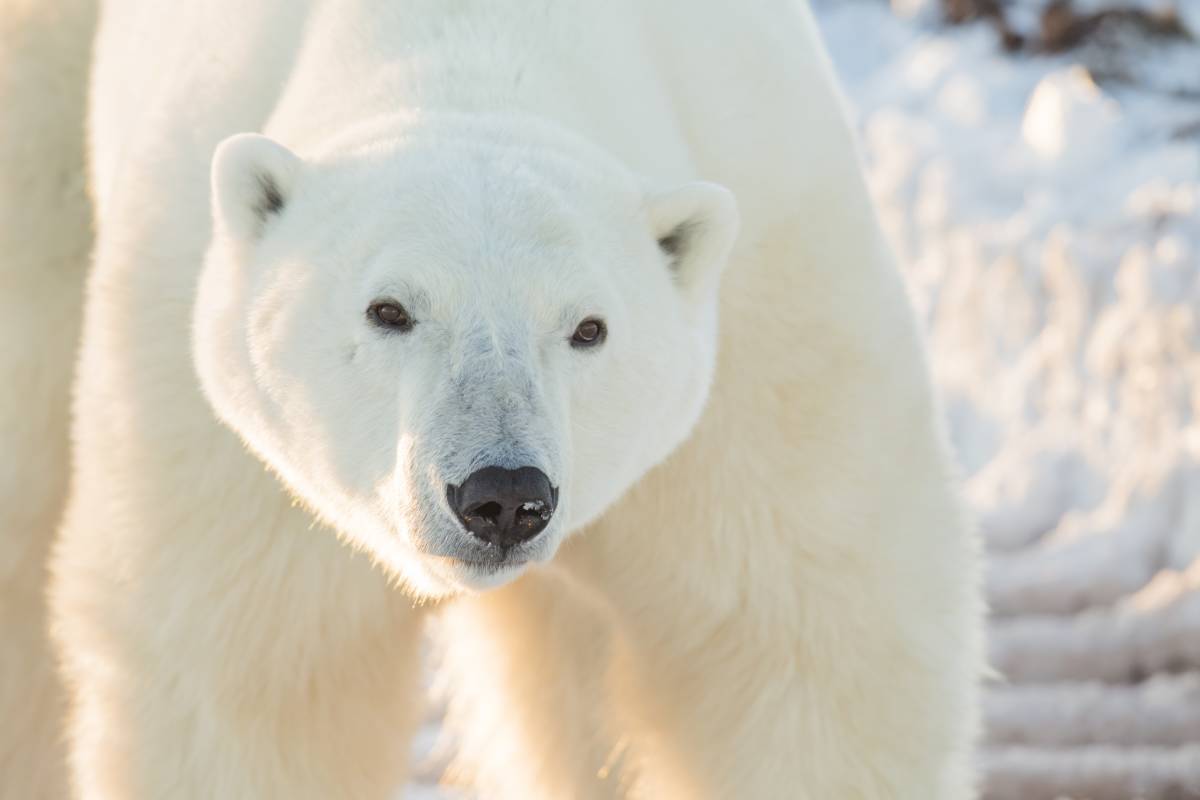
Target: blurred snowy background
column 1037, row 166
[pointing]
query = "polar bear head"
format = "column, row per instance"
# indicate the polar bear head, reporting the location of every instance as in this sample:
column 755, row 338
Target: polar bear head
column 455, row 351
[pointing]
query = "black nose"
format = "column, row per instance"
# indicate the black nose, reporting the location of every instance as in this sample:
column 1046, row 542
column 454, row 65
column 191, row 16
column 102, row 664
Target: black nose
column 504, row 506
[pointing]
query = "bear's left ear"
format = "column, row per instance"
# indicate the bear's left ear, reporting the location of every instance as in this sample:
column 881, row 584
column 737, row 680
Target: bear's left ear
column 252, row 181
column 695, row 225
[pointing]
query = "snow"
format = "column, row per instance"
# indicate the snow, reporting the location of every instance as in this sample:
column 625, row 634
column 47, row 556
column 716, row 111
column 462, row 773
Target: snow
column 1046, row 214
column 539, row 507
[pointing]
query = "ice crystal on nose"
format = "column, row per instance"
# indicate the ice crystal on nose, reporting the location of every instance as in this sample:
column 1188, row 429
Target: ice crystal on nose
column 537, row 506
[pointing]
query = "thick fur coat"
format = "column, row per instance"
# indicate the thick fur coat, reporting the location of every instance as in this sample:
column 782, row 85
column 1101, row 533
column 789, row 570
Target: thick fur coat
column 773, row 597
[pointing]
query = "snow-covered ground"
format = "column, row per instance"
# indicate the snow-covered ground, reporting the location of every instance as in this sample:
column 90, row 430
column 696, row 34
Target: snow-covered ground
column 1048, row 222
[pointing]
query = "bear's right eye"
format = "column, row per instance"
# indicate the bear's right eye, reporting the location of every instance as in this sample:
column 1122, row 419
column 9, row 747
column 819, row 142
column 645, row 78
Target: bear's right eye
column 390, row 315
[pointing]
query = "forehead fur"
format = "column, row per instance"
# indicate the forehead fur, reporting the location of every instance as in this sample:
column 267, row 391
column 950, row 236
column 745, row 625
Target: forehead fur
column 487, row 203
column 484, row 225
column 475, row 176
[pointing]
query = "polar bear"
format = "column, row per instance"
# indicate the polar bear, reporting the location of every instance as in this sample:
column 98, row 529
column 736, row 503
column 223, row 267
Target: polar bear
column 442, row 339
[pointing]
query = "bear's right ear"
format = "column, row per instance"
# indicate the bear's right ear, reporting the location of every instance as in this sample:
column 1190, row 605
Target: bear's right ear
column 252, row 181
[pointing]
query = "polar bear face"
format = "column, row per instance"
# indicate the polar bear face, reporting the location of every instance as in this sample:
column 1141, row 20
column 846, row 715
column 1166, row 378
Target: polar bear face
column 456, row 353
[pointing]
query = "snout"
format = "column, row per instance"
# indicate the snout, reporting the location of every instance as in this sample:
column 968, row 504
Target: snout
column 504, row 507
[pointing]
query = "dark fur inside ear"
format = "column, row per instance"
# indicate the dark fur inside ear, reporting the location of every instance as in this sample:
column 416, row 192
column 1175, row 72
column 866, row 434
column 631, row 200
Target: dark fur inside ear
column 253, row 178
column 694, row 225
column 270, row 201
column 675, row 244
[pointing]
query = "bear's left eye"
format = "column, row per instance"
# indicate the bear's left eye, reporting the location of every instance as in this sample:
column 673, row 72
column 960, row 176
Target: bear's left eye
column 390, row 315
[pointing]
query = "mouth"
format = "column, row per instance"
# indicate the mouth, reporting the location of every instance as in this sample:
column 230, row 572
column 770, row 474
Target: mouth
column 485, row 556
column 475, row 573
column 488, row 568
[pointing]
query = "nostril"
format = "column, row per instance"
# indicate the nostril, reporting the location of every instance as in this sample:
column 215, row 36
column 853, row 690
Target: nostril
column 488, row 511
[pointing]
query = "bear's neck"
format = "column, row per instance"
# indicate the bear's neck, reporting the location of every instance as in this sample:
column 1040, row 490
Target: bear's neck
column 578, row 63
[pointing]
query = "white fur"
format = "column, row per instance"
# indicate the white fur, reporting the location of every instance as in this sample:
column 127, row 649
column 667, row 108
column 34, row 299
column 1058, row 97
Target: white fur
column 44, row 240
column 786, row 607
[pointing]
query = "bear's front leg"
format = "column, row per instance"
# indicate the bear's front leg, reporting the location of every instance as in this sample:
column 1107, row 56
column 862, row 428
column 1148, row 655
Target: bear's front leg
column 526, row 667
column 746, row 669
column 251, row 658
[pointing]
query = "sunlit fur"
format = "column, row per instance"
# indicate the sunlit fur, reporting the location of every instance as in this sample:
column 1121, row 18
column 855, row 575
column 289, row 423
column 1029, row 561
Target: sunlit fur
column 44, row 240
column 787, row 607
